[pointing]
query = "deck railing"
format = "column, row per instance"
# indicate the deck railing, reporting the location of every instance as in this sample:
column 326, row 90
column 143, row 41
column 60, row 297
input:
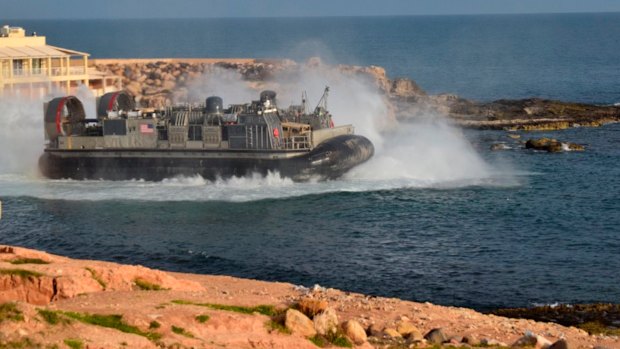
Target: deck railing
column 55, row 71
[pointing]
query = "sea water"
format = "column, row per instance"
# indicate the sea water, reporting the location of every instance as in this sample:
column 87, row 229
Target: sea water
column 435, row 216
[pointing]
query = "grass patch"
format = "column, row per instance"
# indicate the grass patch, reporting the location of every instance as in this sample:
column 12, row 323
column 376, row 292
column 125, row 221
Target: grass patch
column 74, row 343
column 96, row 277
column 24, row 343
column 29, row 261
column 110, row 321
column 181, row 331
column 52, row 317
column 337, row 339
column 319, row 341
column 268, row 310
column 202, row 318
column 9, row 312
column 273, row 325
column 342, row 341
column 154, row 325
column 23, row 273
column 147, row 286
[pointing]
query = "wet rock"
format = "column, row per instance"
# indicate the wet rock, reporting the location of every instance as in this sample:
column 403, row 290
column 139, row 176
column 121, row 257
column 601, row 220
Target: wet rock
column 499, row 146
column 514, row 136
column 326, row 322
column 552, row 145
column 354, row 331
column 436, row 336
column 560, row 344
column 299, row 323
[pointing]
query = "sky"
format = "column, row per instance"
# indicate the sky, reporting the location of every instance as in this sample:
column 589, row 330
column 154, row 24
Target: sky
column 87, row 9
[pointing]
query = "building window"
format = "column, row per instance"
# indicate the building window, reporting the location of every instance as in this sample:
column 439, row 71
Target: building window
column 37, row 64
column 18, row 67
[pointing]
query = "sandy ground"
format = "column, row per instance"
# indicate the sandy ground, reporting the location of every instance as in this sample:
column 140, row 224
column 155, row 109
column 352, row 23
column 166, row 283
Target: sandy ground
column 95, row 287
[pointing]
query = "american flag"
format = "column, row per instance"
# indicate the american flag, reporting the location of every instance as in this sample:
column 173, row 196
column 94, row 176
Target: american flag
column 146, row 128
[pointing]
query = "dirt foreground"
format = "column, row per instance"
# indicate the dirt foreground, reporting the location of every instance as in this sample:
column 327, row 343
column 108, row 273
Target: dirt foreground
column 49, row 301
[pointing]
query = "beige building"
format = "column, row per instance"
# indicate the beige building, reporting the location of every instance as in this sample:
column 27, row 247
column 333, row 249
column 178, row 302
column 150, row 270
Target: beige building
column 30, row 67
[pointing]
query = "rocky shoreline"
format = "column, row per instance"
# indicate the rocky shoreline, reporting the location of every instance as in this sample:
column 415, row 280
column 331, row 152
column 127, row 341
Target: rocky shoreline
column 49, row 301
column 157, row 82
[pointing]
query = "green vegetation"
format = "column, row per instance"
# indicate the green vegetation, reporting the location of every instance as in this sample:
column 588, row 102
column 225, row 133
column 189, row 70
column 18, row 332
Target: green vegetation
column 23, row 273
column 337, row 339
column 268, row 310
column 52, row 317
column 9, row 312
column 154, row 325
column 96, row 277
column 24, row 343
column 147, row 286
column 181, row 331
column 273, row 325
column 29, row 261
column 202, row 318
column 319, row 341
column 74, row 343
column 342, row 341
column 109, row 321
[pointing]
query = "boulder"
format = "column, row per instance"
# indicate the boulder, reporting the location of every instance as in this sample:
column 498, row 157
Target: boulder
column 436, row 336
column 552, row 145
column 408, row 330
column 499, row 146
column 472, row 340
column 299, row 323
column 311, row 306
column 354, row 331
column 392, row 333
column 560, row 344
column 326, row 322
column 403, row 87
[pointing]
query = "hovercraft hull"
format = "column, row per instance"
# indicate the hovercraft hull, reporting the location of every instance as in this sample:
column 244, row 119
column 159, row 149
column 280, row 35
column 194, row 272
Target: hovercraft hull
column 329, row 160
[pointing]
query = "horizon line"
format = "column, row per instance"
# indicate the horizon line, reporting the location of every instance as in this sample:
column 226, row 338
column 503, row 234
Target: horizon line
column 317, row 16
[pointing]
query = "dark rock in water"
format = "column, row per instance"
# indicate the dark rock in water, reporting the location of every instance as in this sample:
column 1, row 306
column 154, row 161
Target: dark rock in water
column 436, row 336
column 552, row 145
column 499, row 146
column 560, row 344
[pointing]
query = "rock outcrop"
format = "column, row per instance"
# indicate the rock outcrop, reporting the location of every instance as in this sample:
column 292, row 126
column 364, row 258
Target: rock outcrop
column 135, row 307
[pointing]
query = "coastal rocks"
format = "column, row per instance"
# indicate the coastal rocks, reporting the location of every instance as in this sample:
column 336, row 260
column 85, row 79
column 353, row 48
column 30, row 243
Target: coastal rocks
column 392, row 333
column 436, row 336
column 552, row 145
column 311, row 307
column 560, row 344
column 402, row 87
column 299, row 323
column 43, row 278
column 409, row 331
column 532, row 340
column 499, row 146
column 354, row 331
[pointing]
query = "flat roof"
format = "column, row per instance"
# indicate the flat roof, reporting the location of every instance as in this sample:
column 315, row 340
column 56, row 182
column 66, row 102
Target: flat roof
column 41, row 51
